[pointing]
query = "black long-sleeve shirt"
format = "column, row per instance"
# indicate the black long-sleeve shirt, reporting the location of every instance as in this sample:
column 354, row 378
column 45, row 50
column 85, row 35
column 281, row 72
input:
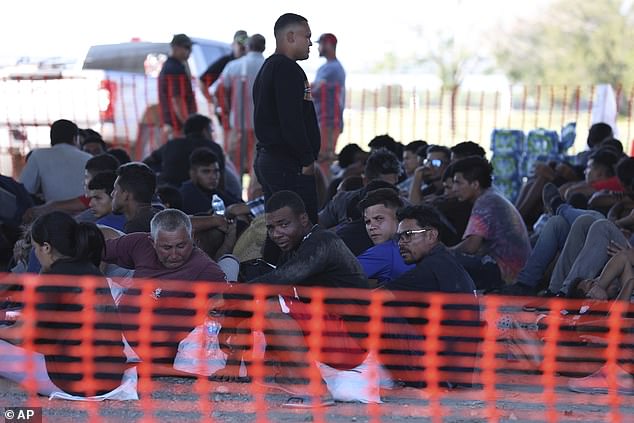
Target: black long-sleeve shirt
column 284, row 114
column 322, row 259
column 438, row 271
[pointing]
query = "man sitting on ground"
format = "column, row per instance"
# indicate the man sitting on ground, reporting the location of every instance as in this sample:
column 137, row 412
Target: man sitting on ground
column 312, row 256
column 436, row 270
column 495, row 245
column 204, row 183
column 94, row 165
column 428, row 177
column 411, row 161
column 132, row 196
column 167, row 252
column 381, row 164
column 382, row 262
column 170, row 161
column 99, row 190
column 599, row 175
column 353, row 232
column 56, row 172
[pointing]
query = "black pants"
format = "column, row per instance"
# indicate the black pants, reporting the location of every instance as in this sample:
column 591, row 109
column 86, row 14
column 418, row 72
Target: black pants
column 277, row 172
column 483, row 270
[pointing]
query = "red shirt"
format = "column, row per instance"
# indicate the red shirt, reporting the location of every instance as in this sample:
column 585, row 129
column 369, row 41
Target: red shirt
column 610, row 184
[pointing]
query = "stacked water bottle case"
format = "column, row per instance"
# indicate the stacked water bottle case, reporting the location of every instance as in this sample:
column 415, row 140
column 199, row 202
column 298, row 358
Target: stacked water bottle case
column 515, row 154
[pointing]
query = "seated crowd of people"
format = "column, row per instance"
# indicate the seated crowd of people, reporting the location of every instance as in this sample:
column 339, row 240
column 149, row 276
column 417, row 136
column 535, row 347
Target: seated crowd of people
column 403, row 219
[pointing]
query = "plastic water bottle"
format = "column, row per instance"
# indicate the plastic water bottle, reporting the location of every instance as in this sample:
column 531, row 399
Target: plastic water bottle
column 212, row 329
column 217, row 205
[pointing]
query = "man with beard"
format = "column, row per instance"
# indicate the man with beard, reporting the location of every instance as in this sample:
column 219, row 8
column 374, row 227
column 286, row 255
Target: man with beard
column 437, row 270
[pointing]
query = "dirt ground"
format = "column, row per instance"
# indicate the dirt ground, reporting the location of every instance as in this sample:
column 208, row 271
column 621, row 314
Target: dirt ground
column 517, row 398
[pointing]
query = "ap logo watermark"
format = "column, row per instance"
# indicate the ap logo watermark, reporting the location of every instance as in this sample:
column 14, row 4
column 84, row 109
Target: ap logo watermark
column 23, row 414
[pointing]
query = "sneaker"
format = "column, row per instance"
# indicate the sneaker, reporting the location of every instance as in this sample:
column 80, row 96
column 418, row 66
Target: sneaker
column 597, row 383
column 551, row 198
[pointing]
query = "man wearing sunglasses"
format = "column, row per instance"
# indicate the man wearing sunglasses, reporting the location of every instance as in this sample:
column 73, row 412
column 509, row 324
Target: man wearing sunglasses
column 428, row 177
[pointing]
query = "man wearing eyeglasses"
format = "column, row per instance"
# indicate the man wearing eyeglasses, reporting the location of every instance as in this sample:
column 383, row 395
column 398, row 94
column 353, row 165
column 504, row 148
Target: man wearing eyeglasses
column 437, row 270
column 176, row 97
column 428, row 177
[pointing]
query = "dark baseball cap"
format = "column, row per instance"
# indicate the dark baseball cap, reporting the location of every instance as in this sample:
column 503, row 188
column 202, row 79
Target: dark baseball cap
column 181, row 40
column 327, row 38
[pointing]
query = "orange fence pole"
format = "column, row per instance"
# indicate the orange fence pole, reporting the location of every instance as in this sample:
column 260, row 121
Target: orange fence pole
column 491, row 305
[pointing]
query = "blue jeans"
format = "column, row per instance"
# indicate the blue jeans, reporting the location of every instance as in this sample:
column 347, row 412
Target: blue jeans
column 571, row 214
column 552, row 240
column 585, row 252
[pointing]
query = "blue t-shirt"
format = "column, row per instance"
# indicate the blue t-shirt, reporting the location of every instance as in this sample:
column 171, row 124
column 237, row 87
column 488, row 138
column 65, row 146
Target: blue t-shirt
column 383, row 262
column 329, row 94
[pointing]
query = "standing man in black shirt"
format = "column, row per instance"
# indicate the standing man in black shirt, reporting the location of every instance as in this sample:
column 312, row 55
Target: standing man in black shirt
column 285, row 120
column 176, row 97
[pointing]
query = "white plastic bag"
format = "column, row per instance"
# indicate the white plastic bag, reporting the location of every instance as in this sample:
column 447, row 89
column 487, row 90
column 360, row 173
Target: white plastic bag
column 360, row 384
column 127, row 391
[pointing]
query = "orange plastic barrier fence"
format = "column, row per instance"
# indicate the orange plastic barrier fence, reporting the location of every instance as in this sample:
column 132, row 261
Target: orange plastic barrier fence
column 433, row 356
column 130, row 113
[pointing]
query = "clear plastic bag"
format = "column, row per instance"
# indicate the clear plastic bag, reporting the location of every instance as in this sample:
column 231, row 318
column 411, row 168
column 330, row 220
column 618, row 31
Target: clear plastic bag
column 199, row 353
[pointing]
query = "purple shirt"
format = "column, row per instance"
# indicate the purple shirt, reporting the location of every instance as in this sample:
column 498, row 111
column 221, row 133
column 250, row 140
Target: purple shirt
column 135, row 251
column 503, row 231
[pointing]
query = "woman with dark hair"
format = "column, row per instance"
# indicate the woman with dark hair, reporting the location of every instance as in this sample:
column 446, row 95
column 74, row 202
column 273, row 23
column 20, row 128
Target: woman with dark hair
column 65, row 247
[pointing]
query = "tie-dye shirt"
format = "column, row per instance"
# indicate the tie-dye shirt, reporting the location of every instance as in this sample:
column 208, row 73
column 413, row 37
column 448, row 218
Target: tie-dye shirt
column 503, row 231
